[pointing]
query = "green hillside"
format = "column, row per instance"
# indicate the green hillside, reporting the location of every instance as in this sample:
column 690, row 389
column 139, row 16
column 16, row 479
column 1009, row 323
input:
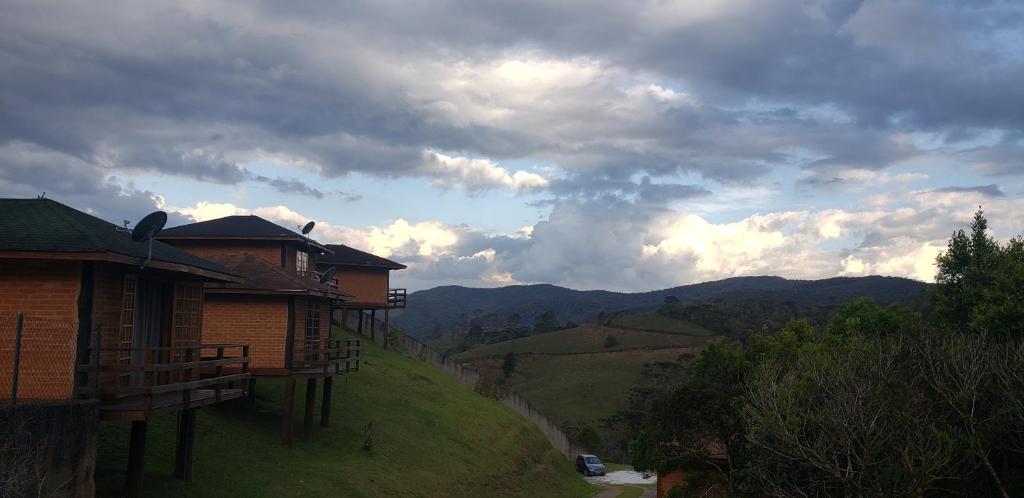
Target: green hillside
column 433, row 437
column 657, row 322
column 584, row 339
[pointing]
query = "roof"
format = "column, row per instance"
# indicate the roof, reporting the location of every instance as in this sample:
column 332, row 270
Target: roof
column 260, row 276
column 347, row 256
column 45, row 225
column 235, row 227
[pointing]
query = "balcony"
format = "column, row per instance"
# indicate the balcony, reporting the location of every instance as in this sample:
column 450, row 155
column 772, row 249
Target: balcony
column 135, row 383
column 327, row 359
column 396, row 298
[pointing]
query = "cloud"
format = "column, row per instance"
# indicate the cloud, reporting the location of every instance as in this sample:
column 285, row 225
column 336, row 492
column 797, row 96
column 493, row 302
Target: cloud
column 477, row 174
column 290, row 186
column 992, row 190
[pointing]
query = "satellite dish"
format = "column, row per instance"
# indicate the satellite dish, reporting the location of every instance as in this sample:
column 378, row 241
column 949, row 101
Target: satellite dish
column 146, row 229
column 329, row 274
column 308, row 228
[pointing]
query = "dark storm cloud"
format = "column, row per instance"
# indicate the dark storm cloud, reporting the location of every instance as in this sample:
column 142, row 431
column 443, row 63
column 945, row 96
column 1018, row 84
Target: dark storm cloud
column 198, row 90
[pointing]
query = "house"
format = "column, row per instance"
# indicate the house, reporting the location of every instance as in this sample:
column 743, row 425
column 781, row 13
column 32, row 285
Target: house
column 367, row 278
column 99, row 315
column 282, row 305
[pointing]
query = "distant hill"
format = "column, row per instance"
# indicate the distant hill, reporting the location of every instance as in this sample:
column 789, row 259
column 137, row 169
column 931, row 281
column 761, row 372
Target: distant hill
column 450, row 310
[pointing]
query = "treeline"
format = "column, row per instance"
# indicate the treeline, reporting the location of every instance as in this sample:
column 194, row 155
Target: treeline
column 877, row 401
column 490, row 328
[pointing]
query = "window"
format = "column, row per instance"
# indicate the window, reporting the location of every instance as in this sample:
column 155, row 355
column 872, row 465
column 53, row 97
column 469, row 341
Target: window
column 312, row 329
column 188, row 316
column 301, row 262
column 127, row 325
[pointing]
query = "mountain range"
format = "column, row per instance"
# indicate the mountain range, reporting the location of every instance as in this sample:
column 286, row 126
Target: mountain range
column 446, row 311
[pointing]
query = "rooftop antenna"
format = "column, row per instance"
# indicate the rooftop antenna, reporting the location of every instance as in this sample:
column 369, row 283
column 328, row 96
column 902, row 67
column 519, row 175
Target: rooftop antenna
column 146, row 229
column 42, row 196
column 308, row 228
column 328, row 274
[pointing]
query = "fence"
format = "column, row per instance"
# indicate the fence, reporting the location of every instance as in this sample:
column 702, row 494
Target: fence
column 413, row 348
column 37, row 358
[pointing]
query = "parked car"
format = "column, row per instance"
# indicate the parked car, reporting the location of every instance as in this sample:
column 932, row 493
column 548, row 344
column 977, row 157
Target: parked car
column 589, row 465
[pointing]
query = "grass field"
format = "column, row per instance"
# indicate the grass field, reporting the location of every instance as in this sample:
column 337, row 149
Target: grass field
column 433, row 438
column 584, row 339
column 656, row 322
column 579, row 388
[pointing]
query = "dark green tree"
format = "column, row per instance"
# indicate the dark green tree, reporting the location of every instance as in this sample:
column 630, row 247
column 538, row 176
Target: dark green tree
column 610, row 341
column 979, row 282
column 508, row 365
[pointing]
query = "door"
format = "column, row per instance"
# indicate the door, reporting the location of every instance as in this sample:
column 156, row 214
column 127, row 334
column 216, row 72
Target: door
column 147, row 327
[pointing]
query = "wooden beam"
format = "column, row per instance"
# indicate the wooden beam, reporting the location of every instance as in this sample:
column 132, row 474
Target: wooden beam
column 136, row 458
column 307, row 422
column 286, row 415
column 183, row 456
column 359, row 328
column 387, row 327
column 251, row 395
column 325, row 405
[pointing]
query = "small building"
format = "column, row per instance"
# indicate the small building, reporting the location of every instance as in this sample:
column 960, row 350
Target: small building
column 367, row 278
column 95, row 314
column 282, row 305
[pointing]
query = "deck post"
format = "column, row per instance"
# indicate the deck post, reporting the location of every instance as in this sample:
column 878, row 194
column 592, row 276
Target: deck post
column 387, row 328
column 359, row 328
column 286, row 416
column 251, row 395
column 186, row 444
column 136, row 458
column 325, row 405
column 373, row 326
column 307, row 422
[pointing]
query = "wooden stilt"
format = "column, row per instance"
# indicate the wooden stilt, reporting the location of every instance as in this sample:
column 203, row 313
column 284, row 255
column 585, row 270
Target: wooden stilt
column 373, row 326
column 286, row 415
column 359, row 328
column 387, row 328
column 307, row 422
column 136, row 458
column 325, row 404
column 252, row 390
column 186, row 444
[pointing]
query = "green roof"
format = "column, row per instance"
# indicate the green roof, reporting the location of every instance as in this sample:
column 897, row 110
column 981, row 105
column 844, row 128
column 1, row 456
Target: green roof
column 45, row 225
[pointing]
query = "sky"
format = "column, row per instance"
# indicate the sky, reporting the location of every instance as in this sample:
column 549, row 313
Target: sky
column 612, row 145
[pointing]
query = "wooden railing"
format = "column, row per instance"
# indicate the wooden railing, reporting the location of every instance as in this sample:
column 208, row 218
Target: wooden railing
column 337, row 356
column 396, row 298
column 162, row 371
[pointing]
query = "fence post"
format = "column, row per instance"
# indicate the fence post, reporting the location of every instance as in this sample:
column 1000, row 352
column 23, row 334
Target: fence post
column 19, row 325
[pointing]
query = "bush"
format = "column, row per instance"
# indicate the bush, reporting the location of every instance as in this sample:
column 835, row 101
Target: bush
column 610, row 341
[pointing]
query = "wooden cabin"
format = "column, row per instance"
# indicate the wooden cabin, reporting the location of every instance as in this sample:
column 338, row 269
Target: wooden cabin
column 280, row 306
column 367, row 278
column 94, row 314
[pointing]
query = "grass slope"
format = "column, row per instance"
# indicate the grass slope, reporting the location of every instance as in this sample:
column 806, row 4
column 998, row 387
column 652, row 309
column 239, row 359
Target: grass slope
column 579, row 388
column 583, row 339
column 656, row 322
column 433, row 437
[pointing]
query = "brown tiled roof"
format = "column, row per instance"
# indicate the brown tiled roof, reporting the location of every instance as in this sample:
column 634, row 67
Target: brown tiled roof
column 236, row 227
column 262, row 277
column 348, row 256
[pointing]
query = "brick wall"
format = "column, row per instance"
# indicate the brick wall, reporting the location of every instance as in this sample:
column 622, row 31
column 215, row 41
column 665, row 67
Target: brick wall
column 669, row 479
column 262, row 321
column 47, row 293
column 366, row 286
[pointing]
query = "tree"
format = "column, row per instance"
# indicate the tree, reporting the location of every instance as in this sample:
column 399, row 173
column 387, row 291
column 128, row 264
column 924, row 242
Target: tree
column 546, row 322
column 508, row 365
column 979, row 282
column 610, row 341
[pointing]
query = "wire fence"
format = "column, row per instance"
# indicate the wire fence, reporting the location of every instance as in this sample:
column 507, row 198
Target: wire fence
column 37, row 358
column 403, row 343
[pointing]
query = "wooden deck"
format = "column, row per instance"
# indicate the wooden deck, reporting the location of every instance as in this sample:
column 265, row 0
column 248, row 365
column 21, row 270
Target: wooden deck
column 134, row 408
